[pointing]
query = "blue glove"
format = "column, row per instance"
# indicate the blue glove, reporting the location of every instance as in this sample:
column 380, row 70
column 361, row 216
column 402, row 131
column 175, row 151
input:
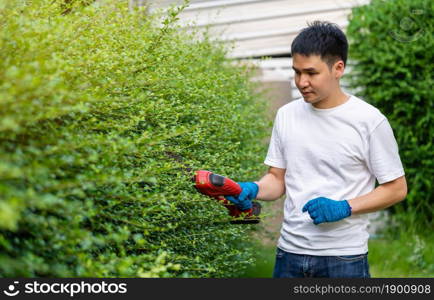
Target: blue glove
column 327, row 210
column 249, row 191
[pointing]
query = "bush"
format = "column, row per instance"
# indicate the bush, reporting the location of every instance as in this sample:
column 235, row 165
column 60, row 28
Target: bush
column 101, row 110
column 391, row 46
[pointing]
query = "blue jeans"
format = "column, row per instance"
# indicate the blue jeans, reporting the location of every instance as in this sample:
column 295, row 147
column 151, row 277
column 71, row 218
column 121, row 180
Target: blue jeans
column 290, row 265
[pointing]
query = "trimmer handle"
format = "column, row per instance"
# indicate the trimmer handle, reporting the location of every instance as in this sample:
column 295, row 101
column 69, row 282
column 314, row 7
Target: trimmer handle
column 218, row 186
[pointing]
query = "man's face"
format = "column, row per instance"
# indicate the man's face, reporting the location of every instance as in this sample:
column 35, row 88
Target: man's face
column 314, row 79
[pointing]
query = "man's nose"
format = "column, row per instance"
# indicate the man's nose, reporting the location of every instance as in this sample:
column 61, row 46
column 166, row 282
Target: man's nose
column 303, row 81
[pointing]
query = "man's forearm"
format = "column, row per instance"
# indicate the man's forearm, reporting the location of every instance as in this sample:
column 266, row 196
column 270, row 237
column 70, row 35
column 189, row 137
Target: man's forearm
column 383, row 196
column 270, row 187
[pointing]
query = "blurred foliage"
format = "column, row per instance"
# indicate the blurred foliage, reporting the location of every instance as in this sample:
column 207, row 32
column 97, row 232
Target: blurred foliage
column 101, row 109
column 407, row 254
column 391, row 48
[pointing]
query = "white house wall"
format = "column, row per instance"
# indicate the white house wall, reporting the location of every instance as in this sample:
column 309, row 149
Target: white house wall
column 258, row 28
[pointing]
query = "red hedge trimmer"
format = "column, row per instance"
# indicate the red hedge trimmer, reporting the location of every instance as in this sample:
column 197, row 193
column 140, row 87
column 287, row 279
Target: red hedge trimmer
column 217, row 186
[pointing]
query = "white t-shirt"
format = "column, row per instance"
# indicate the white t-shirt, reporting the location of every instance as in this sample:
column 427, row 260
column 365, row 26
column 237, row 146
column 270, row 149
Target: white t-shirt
column 335, row 153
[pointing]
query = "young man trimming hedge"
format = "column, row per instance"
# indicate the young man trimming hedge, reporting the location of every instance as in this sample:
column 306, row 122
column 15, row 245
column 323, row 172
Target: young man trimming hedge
column 325, row 153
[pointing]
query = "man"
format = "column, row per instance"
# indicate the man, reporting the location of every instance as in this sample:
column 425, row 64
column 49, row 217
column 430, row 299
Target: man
column 325, row 153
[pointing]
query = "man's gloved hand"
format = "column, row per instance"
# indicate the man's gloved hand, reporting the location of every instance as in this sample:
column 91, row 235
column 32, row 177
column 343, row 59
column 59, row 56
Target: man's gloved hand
column 244, row 200
column 327, row 210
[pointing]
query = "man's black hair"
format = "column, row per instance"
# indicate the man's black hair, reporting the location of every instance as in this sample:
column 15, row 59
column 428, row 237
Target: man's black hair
column 324, row 39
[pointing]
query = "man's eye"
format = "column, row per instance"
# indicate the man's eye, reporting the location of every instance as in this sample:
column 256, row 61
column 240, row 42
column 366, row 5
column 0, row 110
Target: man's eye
column 312, row 73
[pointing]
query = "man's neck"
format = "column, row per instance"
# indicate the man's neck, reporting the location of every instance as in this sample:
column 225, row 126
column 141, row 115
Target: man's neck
column 332, row 100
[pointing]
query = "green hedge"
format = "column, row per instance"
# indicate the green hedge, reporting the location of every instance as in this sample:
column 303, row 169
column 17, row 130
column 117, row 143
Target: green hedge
column 391, row 46
column 100, row 111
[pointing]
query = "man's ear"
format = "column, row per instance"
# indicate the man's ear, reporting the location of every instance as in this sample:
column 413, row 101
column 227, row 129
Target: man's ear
column 338, row 69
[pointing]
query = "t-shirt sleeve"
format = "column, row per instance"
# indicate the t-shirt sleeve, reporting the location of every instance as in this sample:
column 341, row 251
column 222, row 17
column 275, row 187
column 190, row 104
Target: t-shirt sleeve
column 275, row 156
column 384, row 161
